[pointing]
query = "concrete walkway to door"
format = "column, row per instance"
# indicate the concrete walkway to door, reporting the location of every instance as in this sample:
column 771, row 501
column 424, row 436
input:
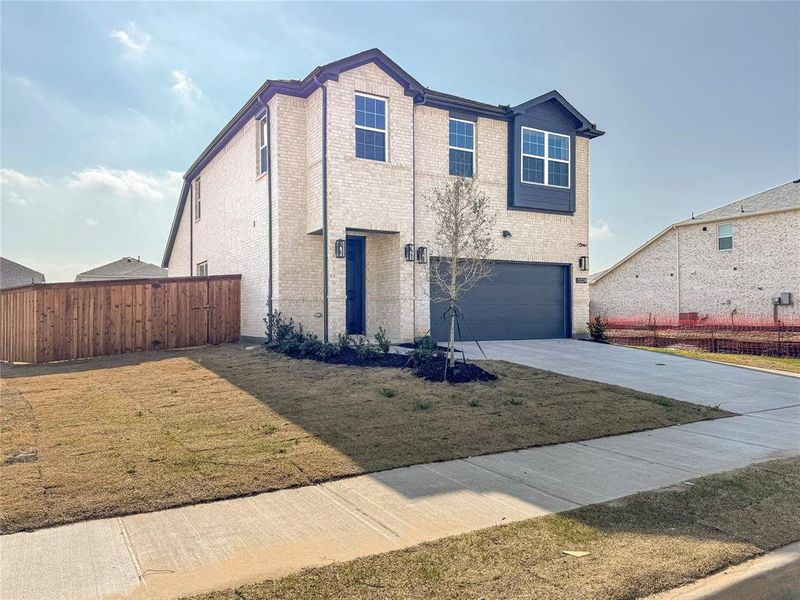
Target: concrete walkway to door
column 736, row 389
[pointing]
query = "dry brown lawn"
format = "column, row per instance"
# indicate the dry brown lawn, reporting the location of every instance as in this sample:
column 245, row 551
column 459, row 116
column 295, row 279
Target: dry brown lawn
column 141, row 432
column 637, row 546
column 775, row 363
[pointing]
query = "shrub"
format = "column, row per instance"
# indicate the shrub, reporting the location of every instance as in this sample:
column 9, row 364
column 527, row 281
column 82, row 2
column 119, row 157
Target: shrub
column 310, row 345
column 425, row 351
column 365, row 350
column 279, row 328
column 345, row 341
column 382, row 340
column 598, row 329
column 423, row 405
column 327, row 351
column 387, row 392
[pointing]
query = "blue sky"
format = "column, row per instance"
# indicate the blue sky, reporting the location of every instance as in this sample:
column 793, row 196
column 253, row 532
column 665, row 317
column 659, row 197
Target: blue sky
column 104, row 105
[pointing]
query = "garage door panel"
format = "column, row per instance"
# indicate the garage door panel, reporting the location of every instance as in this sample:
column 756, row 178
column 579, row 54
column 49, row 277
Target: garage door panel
column 519, row 301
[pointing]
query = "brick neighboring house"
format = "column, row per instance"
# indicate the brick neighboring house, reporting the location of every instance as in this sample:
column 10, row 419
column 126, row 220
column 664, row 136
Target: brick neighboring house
column 731, row 260
column 315, row 192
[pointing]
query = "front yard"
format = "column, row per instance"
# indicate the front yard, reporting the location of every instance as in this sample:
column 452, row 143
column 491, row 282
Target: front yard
column 635, row 546
column 141, row 432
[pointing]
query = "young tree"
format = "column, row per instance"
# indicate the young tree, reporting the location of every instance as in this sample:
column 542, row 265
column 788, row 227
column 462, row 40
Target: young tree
column 463, row 240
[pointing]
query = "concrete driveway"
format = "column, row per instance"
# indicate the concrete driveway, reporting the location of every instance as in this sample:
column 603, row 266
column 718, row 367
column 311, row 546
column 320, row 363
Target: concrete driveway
column 733, row 388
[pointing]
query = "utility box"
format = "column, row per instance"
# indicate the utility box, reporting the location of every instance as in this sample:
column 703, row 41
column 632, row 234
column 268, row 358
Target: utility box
column 785, row 299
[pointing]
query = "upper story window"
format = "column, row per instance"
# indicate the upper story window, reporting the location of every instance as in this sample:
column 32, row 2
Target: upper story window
column 263, row 161
column 545, row 158
column 725, row 237
column 462, row 147
column 370, row 127
column 196, row 193
column 202, row 269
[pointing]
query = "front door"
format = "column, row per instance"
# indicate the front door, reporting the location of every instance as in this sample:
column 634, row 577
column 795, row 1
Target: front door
column 355, row 282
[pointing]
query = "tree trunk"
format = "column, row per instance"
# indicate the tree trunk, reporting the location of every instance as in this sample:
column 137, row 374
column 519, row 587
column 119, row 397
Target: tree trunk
column 451, row 346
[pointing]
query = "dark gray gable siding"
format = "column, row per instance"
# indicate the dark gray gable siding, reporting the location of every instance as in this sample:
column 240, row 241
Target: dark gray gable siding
column 548, row 116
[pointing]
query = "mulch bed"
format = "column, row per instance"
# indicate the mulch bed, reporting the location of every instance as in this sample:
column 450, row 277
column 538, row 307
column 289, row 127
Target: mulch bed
column 431, row 370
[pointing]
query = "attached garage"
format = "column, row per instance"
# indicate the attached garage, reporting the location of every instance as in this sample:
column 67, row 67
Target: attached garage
column 519, row 301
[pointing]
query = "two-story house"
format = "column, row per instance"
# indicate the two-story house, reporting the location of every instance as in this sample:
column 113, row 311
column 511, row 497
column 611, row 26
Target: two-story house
column 316, row 192
column 738, row 261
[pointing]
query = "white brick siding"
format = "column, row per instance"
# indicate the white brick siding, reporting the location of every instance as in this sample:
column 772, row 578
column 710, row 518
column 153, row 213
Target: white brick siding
column 762, row 263
column 365, row 197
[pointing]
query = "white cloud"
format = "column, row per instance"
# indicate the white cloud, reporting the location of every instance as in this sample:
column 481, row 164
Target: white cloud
column 129, row 184
column 601, row 230
column 134, row 41
column 12, row 178
column 90, row 222
column 184, row 88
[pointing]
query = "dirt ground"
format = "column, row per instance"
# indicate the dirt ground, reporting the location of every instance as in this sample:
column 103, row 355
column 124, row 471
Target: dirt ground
column 146, row 431
column 634, row 547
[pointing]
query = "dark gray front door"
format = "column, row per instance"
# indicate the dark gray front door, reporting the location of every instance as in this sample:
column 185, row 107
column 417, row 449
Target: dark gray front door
column 520, row 301
column 355, row 277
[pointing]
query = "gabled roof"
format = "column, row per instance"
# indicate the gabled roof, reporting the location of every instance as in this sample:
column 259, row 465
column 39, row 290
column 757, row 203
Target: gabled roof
column 302, row 88
column 780, row 198
column 124, row 268
column 13, row 274
column 586, row 128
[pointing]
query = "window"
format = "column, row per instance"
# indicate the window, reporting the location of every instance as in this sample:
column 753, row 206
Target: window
column 545, row 158
column 725, row 237
column 370, row 127
column 197, row 199
column 462, row 147
column 202, row 269
column 263, row 161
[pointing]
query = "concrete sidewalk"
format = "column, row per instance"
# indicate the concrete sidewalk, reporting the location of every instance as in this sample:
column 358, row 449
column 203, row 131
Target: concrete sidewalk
column 733, row 388
column 196, row 548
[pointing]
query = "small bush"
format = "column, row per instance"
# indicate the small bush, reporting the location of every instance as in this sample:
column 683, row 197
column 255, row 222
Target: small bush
column 328, row 351
column 424, row 352
column 474, row 402
column 598, row 329
column 345, row 341
column 310, row 345
column 383, row 340
column 423, row 405
column 387, row 392
column 365, row 350
column 278, row 328
column 515, row 402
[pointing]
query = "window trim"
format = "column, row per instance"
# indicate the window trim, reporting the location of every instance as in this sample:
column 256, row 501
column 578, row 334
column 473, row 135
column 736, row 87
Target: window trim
column 196, row 193
column 719, row 237
column 203, row 264
column 384, row 131
column 449, row 147
column 262, row 142
column 546, row 158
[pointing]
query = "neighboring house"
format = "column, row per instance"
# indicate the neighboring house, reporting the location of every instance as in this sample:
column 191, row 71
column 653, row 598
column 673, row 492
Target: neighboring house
column 734, row 260
column 16, row 275
column 315, row 192
column 124, row 268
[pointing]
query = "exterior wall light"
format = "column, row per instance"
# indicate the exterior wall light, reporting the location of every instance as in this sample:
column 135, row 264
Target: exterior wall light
column 583, row 263
column 338, row 249
column 422, row 255
column 506, row 233
column 409, row 252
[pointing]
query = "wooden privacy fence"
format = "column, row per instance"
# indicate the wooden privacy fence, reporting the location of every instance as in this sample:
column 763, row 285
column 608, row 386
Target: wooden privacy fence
column 60, row 321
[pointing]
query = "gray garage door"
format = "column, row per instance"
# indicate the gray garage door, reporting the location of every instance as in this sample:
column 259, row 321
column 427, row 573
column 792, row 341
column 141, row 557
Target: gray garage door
column 520, row 301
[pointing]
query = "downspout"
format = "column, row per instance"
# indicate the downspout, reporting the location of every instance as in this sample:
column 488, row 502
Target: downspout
column 678, row 267
column 324, row 209
column 191, row 229
column 414, row 212
column 269, row 216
